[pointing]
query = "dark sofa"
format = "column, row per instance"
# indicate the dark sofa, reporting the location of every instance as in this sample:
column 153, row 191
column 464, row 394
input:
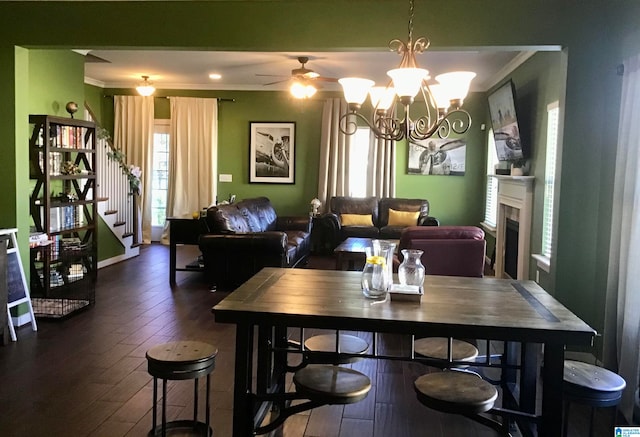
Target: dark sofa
column 378, row 209
column 246, row 236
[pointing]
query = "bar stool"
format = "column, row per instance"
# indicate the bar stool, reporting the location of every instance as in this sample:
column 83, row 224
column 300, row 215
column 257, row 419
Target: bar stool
column 590, row 385
column 320, row 385
column 177, row 361
column 459, row 392
column 438, row 348
column 322, row 348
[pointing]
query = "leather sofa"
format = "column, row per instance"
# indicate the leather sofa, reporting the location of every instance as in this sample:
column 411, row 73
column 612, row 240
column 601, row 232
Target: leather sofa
column 388, row 217
column 248, row 235
column 448, row 250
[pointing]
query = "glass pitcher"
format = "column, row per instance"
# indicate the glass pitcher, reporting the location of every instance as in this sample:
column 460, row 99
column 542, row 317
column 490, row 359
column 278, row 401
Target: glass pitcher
column 390, row 248
column 411, row 270
column 375, row 280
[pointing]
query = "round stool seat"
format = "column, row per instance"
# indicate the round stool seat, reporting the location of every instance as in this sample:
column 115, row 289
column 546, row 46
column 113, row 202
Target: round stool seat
column 326, row 344
column 181, row 360
column 438, row 348
column 455, row 392
column 592, row 385
column 332, row 384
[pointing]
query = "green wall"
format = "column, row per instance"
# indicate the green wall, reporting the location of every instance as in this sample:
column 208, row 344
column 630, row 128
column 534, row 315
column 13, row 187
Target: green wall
column 591, row 33
column 453, row 199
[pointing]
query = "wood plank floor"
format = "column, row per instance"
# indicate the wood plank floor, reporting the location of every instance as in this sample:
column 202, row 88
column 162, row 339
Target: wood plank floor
column 87, row 376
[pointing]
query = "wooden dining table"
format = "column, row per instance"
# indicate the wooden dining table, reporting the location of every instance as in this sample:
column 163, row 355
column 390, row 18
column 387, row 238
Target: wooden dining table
column 485, row 308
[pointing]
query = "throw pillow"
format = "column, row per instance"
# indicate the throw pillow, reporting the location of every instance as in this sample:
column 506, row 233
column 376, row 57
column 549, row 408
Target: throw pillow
column 356, row 220
column 403, row 218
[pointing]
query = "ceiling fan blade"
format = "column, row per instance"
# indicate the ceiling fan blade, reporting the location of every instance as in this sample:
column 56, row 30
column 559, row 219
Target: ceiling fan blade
column 271, row 75
column 326, row 79
column 276, row 82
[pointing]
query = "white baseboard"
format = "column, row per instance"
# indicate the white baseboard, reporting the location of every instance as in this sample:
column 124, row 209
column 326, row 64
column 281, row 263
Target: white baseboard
column 114, row 260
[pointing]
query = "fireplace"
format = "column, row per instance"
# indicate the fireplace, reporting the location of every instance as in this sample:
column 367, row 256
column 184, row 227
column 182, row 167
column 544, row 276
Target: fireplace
column 511, row 248
column 513, row 231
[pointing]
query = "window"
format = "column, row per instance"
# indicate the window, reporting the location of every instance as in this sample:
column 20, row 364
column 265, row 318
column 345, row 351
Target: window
column 553, row 113
column 491, row 203
column 160, row 174
column 358, row 160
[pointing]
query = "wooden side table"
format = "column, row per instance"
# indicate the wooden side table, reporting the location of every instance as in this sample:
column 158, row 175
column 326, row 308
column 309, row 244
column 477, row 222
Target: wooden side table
column 184, row 230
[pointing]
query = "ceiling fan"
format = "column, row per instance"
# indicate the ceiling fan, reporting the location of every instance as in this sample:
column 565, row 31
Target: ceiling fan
column 302, row 74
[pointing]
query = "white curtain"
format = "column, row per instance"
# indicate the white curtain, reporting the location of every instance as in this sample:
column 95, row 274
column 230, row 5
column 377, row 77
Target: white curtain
column 381, row 168
column 193, row 155
column 622, row 320
column 133, row 134
column 333, row 178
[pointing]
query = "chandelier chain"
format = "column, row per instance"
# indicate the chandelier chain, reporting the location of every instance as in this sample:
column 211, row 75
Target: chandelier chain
column 410, row 23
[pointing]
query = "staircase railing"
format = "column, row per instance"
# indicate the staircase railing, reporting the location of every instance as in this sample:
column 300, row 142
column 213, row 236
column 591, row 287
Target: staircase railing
column 114, row 186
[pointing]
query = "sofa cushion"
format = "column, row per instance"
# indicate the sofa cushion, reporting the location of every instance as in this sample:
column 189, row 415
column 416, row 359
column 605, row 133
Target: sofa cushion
column 227, row 219
column 403, row 218
column 400, row 204
column 356, row 220
column 259, row 213
column 354, row 205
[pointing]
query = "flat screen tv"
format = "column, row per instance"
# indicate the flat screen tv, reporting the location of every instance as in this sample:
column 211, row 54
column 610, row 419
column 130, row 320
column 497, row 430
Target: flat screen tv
column 504, row 120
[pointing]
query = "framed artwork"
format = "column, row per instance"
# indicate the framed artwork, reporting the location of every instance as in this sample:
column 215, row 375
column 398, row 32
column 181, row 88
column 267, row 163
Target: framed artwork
column 272, row 152
column 437, row 157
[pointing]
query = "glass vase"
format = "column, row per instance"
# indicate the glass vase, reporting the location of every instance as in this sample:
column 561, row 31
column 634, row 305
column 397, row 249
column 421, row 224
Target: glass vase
column 411, row 270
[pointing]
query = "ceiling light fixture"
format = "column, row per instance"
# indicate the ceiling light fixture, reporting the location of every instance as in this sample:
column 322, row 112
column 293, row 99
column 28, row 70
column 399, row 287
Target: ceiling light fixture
column 441, row 114
column 215, row 76
column 302, row 90
column 145, row 88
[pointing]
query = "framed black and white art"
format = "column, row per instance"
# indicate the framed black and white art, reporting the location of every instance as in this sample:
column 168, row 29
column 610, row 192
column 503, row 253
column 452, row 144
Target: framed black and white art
column 272, row 152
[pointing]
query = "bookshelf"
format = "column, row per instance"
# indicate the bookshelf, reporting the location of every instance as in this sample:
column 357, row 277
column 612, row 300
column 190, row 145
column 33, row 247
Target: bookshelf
column 62, row 162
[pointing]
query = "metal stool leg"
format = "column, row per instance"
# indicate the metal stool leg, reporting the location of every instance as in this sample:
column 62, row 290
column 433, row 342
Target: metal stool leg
column 155, row 404
column 593, row 413
column 164, row 408
column 207, row 408
column 195, row 402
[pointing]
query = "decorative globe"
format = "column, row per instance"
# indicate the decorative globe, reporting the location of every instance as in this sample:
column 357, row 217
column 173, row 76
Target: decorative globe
column 71, row 108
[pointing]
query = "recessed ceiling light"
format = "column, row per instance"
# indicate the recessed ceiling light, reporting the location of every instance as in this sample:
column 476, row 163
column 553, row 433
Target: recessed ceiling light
column 215, row 76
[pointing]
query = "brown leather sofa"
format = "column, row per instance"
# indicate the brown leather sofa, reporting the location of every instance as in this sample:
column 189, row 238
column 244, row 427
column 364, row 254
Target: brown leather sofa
column 379, row 210
column 248, row 235
column 448, row 250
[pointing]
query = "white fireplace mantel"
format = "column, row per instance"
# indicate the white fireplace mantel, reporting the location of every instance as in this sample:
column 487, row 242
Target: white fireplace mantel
column 515, row 201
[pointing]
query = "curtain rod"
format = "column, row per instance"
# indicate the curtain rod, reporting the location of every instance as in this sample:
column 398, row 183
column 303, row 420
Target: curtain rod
column 166, row 97
column 219, row 98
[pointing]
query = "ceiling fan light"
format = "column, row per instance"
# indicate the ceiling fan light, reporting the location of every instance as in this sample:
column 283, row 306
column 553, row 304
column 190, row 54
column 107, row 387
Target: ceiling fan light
column 456, row 84
column 382, row 97
column 355, row 89
column 302, row 91
column 407, row 81
column 145, row 88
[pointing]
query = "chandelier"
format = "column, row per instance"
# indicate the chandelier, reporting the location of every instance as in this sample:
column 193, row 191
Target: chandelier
column 442, row 113
column 145, row 88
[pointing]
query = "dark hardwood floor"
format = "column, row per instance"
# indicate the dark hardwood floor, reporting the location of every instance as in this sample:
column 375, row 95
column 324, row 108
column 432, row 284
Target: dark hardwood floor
column 87, row 376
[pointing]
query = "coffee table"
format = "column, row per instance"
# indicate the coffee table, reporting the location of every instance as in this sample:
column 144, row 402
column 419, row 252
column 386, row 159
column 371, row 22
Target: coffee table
column 350, row 254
